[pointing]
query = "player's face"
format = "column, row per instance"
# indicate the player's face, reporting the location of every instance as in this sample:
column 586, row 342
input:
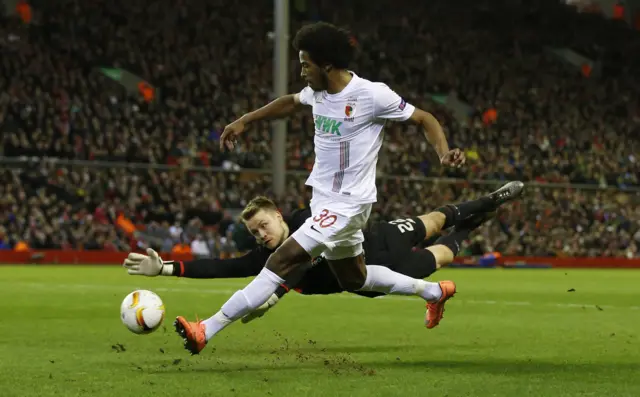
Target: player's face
column 315, row 76
column 267, row 228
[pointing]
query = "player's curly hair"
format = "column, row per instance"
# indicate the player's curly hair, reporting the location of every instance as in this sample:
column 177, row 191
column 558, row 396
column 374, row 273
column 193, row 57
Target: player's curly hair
column 326, row 44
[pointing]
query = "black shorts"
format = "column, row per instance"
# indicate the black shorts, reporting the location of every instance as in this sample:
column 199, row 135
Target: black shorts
column 397, row 245
column 400, row 235
column 393, row 244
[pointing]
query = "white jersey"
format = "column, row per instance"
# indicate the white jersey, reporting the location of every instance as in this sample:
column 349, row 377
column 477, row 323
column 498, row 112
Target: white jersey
column 348, row 136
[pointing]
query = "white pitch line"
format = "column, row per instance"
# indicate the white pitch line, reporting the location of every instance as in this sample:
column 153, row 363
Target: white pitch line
column 218, row 291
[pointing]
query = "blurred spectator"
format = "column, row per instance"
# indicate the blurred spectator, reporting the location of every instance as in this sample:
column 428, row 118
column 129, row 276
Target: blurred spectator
column 200, row 248
column 547, row 221
column 530, row 117
column 228, row 246
column 533, row 117
column 5, row 244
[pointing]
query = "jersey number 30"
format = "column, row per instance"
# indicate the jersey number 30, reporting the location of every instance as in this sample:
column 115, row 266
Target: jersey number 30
column 325, row 219
column 404, row 225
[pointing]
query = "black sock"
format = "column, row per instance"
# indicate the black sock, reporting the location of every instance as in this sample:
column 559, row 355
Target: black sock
column 449, row 214
column 454, row 240
column 468, row 208
column 457, row 212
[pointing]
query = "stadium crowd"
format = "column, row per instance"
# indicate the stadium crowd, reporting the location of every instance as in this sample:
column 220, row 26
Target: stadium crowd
column 210, row 63
column 54, row 206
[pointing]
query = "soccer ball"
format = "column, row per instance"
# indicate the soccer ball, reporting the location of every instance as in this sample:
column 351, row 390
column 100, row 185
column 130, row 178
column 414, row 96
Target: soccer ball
column 142, row 312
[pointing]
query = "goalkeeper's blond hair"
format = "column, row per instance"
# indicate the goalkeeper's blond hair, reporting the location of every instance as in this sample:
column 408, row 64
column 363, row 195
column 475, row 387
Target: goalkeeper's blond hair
column 256, row 204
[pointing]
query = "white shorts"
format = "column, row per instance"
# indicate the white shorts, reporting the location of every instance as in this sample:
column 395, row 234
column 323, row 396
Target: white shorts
column 334, row 229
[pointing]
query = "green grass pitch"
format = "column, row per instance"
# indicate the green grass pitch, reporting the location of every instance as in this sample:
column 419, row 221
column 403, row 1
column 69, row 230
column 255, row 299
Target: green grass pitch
column 507, row 333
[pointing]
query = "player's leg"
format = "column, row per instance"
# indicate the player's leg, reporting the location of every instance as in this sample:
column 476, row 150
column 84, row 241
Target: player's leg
column 441, row 254
column 328, row 229
column 433, row 223
column 408, row 280
column 316, row 279
column 287, row 258
column 454, row 213
column 416, row 263
column 351, row 271
column 450, row 214
column 402, row 236
column 348, row 266
column 343, row 237
column 444, row 250
column 422, row 263
column 293, row 254
column 319, row 232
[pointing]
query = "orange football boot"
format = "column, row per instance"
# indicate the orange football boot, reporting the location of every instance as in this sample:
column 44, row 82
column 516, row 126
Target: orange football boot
column 192, row 333
column 435, row 310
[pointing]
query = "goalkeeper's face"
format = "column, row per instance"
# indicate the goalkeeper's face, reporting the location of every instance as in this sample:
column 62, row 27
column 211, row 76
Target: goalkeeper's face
column 268, row 228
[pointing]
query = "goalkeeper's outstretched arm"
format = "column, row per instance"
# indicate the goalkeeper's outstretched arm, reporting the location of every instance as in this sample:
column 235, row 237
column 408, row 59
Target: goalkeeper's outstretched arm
column 152, row 265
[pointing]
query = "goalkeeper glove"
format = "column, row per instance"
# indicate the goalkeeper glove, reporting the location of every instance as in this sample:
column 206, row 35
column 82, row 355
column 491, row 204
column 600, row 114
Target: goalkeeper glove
column 147, row 265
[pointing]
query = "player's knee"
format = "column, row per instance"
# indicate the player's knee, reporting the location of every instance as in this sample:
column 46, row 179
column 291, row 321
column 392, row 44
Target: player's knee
column 353, row 279
column 433, row 223
column 353, row 283
column 450, row 215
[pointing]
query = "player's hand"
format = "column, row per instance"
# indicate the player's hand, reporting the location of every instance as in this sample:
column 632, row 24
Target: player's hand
column 453, row 158
column 259, row 312
column 143, row 265
column 230, row 134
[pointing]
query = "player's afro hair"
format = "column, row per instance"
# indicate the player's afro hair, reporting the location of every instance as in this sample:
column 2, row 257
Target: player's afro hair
column 326, row 44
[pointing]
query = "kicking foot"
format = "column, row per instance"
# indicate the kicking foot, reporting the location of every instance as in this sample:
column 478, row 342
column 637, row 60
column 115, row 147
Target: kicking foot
column 506, row 193
column 435, row 310
column 192, row 333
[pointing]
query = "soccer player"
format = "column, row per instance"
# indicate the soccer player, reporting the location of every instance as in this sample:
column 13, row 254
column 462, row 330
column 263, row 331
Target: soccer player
column 349, row 113
column 389, row 244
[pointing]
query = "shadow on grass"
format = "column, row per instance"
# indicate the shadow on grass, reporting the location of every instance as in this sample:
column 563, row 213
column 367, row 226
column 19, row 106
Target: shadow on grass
column 296, row 360
column 314, row 349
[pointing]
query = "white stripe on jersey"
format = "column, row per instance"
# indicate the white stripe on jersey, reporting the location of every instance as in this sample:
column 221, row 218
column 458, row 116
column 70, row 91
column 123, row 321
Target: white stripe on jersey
column 348, row 136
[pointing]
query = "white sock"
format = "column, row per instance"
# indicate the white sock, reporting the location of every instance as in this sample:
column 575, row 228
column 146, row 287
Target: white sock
column 382, row 279
column 431, row 292
column 215, row 324
column 244, row 301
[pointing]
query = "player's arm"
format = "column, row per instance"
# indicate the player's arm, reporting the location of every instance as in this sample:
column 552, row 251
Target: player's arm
column 276, row 109
column 152, row 265
column 244, row 266
column 390, row 106
column 432, row 131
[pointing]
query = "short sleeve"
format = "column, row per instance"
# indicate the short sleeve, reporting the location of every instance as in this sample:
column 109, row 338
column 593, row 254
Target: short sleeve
column 389, row 105
column 306, row 96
